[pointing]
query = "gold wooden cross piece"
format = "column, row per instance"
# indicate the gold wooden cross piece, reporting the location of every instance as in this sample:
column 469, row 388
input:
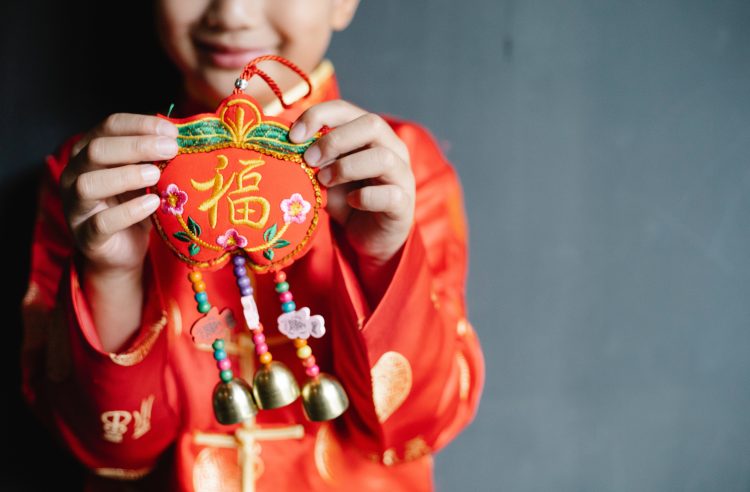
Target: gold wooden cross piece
column 245, row 439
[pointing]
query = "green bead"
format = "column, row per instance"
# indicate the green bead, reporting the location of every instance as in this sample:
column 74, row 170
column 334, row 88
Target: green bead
column 204, row 307
column 282, row 287
column 226, row 376
column 218, row 344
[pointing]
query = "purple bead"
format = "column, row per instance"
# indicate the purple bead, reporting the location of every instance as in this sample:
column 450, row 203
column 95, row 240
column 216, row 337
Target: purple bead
column 240, row 271
column 243, row 282
column 246, row 291
column 238, row 260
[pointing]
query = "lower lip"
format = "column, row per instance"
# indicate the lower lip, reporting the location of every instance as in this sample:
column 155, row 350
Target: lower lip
column 234, row 60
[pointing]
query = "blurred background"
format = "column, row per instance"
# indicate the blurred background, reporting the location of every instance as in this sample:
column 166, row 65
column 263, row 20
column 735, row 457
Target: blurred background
column 604, row 152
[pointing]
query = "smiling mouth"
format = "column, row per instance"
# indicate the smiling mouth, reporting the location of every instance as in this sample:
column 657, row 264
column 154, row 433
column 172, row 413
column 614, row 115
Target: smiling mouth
column 229, row 57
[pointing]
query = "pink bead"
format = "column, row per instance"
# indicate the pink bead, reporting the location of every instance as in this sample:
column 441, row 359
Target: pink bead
column 286, row 296
column 259, row 338
column 312, row 371
column 309, row 362
column 261, row 348
column 224, row 364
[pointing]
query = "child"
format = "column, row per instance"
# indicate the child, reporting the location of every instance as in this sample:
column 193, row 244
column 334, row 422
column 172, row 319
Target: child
column 108, row 359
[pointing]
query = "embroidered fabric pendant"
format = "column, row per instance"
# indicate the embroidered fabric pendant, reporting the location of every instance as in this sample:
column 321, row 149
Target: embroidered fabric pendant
column 239, row 192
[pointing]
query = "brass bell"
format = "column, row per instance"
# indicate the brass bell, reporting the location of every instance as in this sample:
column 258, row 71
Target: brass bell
column 233, row 402
column 323, row 398
column 274, row 386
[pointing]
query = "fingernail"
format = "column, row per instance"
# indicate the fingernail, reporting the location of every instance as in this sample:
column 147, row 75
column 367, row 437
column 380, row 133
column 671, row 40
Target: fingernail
column 166, row 146
column 312, row 155
column 150, row 173
column 150, row 202
column 167, row 129
column 324, row 175
column 297, row 134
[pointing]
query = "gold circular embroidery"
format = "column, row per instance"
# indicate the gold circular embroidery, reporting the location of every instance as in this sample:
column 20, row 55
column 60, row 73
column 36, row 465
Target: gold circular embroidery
column 391, row 383
column 216, row 470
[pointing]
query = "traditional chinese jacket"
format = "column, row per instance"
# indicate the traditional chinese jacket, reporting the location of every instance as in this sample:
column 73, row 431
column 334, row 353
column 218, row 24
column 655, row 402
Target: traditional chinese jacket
column 412, row 365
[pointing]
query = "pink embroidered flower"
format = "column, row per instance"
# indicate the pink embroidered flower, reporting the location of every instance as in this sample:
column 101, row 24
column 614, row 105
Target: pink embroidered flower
column 173, row 200
column 231, row 240
column 295, row 208
column 299, row 324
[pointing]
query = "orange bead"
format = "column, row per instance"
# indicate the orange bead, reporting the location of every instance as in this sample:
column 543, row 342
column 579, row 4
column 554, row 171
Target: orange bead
column 199, row 286
column 299, row 342
column 195, row 277
column 280, row 276
column 265, row 358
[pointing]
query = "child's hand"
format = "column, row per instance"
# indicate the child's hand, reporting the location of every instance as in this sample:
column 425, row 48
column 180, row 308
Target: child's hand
column 366, row 167
column 101, row 189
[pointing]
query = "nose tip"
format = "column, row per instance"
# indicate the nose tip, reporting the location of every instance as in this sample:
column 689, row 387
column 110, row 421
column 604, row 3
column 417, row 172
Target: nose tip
column 232, row 14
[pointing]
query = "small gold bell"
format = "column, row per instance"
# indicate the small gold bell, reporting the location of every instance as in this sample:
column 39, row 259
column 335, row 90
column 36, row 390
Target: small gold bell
column 323, row 398
column 233, row 402
column 274, row 386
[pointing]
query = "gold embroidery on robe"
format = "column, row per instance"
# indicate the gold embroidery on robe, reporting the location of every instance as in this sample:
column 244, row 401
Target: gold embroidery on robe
column 122, row 474
column 216, row 470
column 115, row 424
column 176, row 317
column 329, row 457
column 462, row 327
column 391, row 383
column 143, row 347
column 416, row 448
column 143, row 417
column 464, row 381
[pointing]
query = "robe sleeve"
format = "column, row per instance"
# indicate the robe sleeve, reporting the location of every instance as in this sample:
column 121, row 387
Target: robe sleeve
column 111, row 410
column 413, row 367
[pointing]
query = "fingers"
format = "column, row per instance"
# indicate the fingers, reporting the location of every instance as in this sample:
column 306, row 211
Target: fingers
column 388, row 199
column 107, row 151
column 355, row 129
column 98, row 228
column 379, row 163
column 127, row 124
column 104, row 183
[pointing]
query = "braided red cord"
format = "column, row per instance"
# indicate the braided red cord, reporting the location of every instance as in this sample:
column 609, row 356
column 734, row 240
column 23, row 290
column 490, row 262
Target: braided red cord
column 252, row 69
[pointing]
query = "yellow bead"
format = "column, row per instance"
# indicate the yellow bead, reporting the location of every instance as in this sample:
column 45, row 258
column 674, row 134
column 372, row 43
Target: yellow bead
column 265, row 358
column 300, row 342
column 195, row 277
column 304, row 352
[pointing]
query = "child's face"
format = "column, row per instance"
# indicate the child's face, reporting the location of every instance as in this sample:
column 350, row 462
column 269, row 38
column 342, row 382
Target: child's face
column 210, row 41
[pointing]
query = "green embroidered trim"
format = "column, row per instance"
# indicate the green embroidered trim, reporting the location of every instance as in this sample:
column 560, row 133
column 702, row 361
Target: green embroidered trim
column 210, row 132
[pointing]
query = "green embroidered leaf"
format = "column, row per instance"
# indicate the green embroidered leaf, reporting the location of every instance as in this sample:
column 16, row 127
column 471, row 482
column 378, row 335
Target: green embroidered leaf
column 194, row 249
column 182, row 236
column 194, row 227
column 281, row 243
column 268, row 254
column 269, row 233
column 275, row 138
column 203, row 132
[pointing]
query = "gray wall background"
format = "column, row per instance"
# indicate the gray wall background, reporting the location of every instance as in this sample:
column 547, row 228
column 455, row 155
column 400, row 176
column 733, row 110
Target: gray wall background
column 604, row 151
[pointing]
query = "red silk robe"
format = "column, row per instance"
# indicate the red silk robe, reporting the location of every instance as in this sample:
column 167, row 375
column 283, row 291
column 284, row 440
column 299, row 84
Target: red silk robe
column 412, row 366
